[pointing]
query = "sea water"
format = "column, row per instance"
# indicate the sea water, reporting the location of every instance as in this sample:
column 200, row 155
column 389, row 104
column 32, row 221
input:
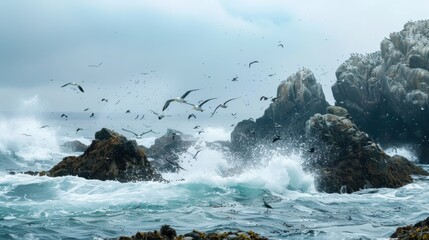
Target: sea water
column 206, row 196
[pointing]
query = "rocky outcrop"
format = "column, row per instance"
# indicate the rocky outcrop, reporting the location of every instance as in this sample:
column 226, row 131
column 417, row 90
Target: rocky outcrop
column 298, row 98
column 109, row 157
column 386, row 92
column 419, row 231
column 166, row 150
column 345, row 159
column 74, row 146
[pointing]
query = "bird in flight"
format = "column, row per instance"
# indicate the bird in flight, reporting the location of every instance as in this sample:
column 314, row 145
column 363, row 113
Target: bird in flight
column 128, row 111
column 92, row 115
column 234, row 79
column 160, row 116
column 73, row 84
column 95, row 65
column 263, row 98
column 86, row 109
column 192, row 115
column 141, row 134
column 199, row 106
column 194, row 156
column 64, row 115
column 252, row 62
column 222, row 105
column 280, row 45
column 268, row 206
column 180, row 99
column 79, row 129
column 104, row 100
column 44, row 126
column 27, row 135
column 276, row 138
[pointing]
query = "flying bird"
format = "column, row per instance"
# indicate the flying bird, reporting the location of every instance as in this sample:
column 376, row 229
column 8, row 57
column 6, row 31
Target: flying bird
column 280, row 45
column 128, row 111
column 27, row 135
column 192, row 115
column 160, row 116
column 92, row 115
column 93, row 65
column 276, row 138
column 223, row 105
column 138, row 135
column 268, row 206
column 86, row 109
column 194, row 156
column 136, row 117
column 79, row 129
column 180, row 99
column 234, row 79
column 253, row 62
column 263, row 98
column 44, row 126
column 104, row 100
column 64, row 115
column 73, row 84
column 199, row 107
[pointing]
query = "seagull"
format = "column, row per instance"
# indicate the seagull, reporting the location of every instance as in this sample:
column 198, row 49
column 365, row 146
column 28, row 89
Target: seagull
column 142, row 117
column 234, row 79
column 223, row 105
column 128, row 111
column 267, row 205
column 92, row 115
column 263, row 98
column 274, row 99
column 198, row 107
column 86, row 109
column 194, row 156
column 73, row 84
column 192, row 115
column 180, row 99
column 136, row 117
column 138, row 135
column 160, row 116
column 201, row 131
column 64, row 115
column 280, row 45
column 44, row 126
column 276, row 138
column 271, row 75
column 233, row 114
column 79, row 129
column 93, row 65
column 104, row 100
column 196, row 127
column 253, row 62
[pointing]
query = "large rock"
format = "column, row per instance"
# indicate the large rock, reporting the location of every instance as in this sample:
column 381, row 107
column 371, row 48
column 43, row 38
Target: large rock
column 74, row 146
column 386, row 92
column 298, row 98
column 420, row 230
column 345, row 159
column 109, row 157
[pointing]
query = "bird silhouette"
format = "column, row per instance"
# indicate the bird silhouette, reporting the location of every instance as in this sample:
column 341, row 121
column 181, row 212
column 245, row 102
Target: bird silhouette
column 253, row 62
column 73, row 84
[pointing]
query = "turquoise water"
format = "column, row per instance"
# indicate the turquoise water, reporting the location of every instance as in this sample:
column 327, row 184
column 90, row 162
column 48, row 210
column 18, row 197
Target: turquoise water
column 206, row 197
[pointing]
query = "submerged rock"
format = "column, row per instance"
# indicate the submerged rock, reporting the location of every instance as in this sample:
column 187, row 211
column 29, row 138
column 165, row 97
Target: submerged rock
column 109, row 157
column 386, row 92
column 419, row 231
column 298, row 98
column 345, row 159
column 74, row 146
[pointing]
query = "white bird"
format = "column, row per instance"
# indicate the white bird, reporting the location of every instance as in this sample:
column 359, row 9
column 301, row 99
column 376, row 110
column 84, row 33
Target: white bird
column 139, row 135
column 73, row 84
column 180, row 99
column 222, row 105
column 199, row 106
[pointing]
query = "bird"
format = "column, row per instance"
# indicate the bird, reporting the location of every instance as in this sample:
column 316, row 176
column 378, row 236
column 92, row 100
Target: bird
column 234, row 79
column 199, row 107
column 86, row 109
column 142, row 117
column 311, row 150
column 93, row 65
column 194, row 156
column 136, row 117
column 73, row 84
column 223, row 105
column 263, row 98
column 27, row 135
column 196, row 127
column 280, row 45
column 64, row 115
column 160, row 116
column 128, row 111
column 274, row 99
column 276, row 138
column 201, row 131
column 104, row 100
column 180, row 99
column 138, row 135
column 233, row 114
column 79, row 129
column 44, row 126
column 253, row 62
column 92, row 115
column 271, row 75
column 192, row 115
column 268, row 206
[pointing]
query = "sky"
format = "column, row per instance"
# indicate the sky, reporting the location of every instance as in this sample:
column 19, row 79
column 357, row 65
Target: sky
column 151, row 51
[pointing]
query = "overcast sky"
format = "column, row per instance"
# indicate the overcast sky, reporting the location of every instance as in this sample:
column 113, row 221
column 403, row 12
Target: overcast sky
column 181, row 45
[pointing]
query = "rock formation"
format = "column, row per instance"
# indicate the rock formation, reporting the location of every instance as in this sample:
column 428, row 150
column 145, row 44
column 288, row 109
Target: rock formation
column 386, row 92
column 420, row 230
column 109, row 157
column 74, row 146
column 298, row 98
column 345, row 159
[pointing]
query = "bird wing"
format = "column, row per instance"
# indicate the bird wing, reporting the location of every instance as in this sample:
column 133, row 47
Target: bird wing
column 66, row 84
column 215, row 110
column 154, row 112
column 197, row 153
column 167, row 103
column 229, row 100
column 250, row 64
column 201, row 104
column 80, row 88
column 187, row 93
column 130, row 132
column 191, row 115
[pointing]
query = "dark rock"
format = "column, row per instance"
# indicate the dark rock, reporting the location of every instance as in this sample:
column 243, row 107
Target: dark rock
column 109, row 157
column 298, row 98
column 166, row 150
column 419, row 231
column 168, row 232
column 74, row 146
column 344, row 157
column 386, row 92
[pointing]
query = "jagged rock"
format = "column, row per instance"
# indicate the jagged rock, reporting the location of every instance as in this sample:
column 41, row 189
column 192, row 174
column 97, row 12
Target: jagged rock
column 345, row 159
column 166, row 150
column 109, row 157
column 386, row 92
column 419, row 231
column 298, row 98
column 74, row 146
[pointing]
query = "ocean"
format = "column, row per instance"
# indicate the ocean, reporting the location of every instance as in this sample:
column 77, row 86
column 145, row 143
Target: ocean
column 203, row 197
